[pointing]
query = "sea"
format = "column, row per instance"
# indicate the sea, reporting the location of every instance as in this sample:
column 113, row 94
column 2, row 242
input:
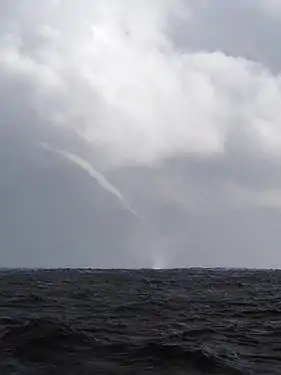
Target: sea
column 180, row 321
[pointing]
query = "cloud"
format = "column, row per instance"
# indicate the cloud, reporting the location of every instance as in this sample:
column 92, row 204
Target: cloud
column 177, row 102
column 271, row 6
column 118, row 80
column 240, row 28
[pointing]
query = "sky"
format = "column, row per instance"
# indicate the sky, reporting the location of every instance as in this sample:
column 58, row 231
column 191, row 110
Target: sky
column 138, row 133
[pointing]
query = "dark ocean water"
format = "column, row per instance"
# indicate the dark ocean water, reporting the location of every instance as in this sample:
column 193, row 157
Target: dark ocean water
column 140, row 322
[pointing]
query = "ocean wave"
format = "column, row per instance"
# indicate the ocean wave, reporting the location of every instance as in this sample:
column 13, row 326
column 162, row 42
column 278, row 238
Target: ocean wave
column 46, row 340
column 116, row 322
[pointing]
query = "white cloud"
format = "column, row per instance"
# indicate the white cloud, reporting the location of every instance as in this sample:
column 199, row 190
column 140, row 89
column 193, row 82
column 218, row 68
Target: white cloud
column 110, row 72
column 121, row 83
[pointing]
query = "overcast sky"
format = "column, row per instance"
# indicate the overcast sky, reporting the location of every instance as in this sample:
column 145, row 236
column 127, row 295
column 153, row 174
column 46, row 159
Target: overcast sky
column 140, row 133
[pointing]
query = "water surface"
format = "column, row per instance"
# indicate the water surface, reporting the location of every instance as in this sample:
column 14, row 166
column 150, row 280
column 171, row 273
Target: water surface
column 140, row 322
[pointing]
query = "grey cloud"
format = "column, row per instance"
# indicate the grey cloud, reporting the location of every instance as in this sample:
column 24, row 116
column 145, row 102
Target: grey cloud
column 240, row 28
column 190, row 139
